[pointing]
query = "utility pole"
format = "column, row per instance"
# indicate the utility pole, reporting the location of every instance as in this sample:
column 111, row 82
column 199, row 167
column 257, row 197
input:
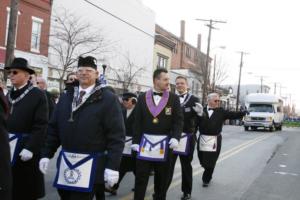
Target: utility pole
column 239, row 84
column 10, row 45
column 214, row 76
column 205, row 71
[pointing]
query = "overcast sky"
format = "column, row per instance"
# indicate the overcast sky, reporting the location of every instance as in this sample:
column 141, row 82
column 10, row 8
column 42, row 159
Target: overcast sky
column 267, row 29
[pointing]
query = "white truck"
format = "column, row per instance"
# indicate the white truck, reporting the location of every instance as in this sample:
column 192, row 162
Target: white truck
column 266, row 111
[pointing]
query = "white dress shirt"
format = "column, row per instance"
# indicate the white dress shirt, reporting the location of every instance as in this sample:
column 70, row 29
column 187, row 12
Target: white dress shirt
column 87, row 92
column 156, row 98
column 182, row 98
column 210, row 112
column 128, row 112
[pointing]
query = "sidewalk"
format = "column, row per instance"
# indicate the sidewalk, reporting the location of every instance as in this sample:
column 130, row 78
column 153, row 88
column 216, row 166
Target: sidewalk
column 281, row 177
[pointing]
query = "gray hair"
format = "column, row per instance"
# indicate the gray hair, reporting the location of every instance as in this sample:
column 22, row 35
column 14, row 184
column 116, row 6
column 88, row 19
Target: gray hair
column 211, row 95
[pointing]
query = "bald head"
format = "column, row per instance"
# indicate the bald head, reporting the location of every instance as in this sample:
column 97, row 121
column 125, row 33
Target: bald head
column 41, row 83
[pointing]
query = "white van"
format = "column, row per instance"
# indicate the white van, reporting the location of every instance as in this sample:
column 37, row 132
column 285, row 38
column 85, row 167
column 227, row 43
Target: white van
column 266, row 111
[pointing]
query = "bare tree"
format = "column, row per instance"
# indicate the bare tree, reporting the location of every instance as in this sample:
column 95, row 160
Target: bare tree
column 220, row 74
column 70, row 38
column 127, row 73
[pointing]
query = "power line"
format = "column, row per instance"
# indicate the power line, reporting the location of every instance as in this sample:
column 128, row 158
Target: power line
column 118, row 18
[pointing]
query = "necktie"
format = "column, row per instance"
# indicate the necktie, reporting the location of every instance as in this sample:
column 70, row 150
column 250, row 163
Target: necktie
column 211, row 109
column 157, row 93
column 81, row 94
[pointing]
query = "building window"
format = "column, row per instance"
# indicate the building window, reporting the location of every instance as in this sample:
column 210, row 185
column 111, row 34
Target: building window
column 36, row 34
column 188, row 52
column 7, row 26
column 162, row 61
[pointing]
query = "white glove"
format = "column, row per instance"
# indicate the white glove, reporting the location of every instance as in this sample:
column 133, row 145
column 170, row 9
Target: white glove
column 198, row 108
column 173, row 143
column 111, row 177
column 26, row 155
column 44, row 162
column 135, row 147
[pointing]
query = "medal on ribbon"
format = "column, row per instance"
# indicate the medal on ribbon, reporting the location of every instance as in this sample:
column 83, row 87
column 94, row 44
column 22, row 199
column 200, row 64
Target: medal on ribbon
column 156, row 110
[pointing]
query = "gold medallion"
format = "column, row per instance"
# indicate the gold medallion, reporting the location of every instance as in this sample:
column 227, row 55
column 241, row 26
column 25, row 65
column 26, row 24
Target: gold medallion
column 155, row 120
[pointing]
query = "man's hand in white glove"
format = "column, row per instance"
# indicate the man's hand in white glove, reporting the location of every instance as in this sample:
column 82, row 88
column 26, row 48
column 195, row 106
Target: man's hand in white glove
column 173, row 143
column 44, row 162
column 135, row 147
column 111, row 177
column 198, row 108
column 26, row 155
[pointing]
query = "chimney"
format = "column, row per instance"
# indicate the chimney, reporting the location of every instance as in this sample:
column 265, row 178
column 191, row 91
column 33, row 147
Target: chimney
column 182, row 29
column 199, row 42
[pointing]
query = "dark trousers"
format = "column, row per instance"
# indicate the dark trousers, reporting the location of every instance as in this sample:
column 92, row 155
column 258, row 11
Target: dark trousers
column 98, row 192
column 161, row 175
column 186, row 170
column 5, row 194
column 127, row 165
column 207, row 174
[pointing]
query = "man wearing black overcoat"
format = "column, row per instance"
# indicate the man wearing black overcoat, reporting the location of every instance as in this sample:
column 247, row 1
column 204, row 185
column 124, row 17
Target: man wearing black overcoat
column 129, row 101
column 157, row 131
column 185, row 151
column 210, row 139
column 87, row 123
column 27, row 125
column 5, row 167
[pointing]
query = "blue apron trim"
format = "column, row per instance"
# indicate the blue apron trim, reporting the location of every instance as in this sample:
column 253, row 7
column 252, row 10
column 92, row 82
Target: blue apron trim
column 94, row 156
column 18, row 137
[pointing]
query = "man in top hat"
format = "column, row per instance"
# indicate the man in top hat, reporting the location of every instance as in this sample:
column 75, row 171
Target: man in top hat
column 129, row 101
column 27, row 125
column 210, row 128
column 185, row 151
column 87, row 123
column 5, row 167
column 157, row 130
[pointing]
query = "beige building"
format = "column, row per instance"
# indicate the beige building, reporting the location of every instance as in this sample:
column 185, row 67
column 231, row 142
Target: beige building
column 163, row 50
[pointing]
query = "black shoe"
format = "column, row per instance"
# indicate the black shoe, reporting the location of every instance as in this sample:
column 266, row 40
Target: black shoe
column 112, row 191
column 186, row 197
column 205, row 184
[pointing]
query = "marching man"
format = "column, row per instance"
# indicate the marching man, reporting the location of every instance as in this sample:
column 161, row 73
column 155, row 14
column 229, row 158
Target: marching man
column 185, row 150
column 157, row 130
column 88, row 124
column 210, row 139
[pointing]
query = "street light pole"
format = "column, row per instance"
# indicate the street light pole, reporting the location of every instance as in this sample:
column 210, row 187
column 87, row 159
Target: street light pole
column 240, row 75
column 205, row 70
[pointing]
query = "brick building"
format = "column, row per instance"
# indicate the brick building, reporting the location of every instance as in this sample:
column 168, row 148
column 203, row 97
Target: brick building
column 186, row 59
column 32, row 34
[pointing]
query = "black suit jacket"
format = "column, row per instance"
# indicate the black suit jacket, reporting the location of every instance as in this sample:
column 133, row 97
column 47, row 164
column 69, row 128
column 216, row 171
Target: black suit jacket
column 214, row 124
column 169, row 123
column 129, row 122
column 190, row 116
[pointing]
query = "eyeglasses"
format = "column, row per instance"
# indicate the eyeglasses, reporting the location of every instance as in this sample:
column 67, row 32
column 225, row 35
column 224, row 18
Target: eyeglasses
column 216, row 101
column 13, row 72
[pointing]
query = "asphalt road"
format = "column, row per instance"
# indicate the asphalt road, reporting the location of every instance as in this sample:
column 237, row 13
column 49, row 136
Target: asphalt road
column 252, row 165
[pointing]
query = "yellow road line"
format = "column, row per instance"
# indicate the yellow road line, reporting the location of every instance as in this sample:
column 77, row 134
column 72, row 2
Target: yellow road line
column 198, row 169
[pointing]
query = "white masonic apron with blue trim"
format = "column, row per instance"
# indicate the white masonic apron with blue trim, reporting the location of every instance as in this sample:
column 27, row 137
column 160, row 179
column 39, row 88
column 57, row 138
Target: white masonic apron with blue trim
column 184, row 144
column 127, row 146
column 208, row 143
column 153, row 147
column 14, row 144
column 76, row 171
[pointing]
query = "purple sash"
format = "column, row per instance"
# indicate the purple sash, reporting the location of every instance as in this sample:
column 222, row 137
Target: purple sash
column 155, row 110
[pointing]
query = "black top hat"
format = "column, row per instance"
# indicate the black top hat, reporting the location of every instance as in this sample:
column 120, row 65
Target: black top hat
column 128, row 95
column 22, row 64
column 88, row 61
